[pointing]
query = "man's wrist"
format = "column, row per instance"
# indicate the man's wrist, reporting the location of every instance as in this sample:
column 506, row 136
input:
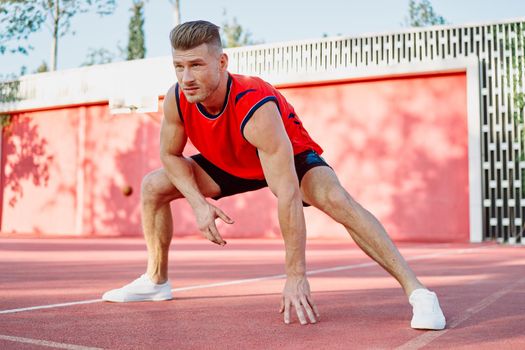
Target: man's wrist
column 296, row 270
column 295, row 263
column 197, row 203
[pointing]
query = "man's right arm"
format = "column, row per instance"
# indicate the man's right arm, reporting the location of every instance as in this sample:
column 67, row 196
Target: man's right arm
column 173, row 138
column 172, row 141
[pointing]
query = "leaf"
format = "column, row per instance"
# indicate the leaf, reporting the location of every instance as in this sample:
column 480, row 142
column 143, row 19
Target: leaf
column 20, row 19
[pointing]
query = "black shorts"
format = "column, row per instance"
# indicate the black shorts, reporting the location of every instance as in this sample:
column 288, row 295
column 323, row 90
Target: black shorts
column 231, row 184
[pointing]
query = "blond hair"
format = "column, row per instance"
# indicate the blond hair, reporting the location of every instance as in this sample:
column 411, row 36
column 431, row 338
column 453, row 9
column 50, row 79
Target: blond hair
column 188, row 35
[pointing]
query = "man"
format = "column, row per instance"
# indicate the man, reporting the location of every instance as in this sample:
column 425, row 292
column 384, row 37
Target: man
column 249, row 137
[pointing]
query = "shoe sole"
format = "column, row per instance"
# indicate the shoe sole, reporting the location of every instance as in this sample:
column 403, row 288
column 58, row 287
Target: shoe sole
column 135, row 300
column 428, row 326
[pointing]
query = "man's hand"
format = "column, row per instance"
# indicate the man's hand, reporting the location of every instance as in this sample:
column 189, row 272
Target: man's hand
column 297, row 293
column 206, row 215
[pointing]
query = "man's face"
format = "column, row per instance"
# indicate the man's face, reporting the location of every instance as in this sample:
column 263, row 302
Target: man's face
column 198, row 71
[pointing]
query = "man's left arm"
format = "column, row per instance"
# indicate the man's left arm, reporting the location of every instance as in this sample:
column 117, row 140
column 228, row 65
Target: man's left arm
column 265, row 130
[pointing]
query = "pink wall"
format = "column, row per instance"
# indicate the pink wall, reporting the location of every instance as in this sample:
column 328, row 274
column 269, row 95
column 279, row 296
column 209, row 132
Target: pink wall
column 398, row 145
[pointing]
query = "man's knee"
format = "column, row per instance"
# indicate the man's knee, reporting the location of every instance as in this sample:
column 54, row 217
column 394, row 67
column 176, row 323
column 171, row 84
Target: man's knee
column 157, row 188
column 150, row 186
column 338, row 199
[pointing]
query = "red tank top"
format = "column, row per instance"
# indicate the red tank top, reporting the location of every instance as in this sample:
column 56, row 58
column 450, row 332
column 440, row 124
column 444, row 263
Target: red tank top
column 220, row 137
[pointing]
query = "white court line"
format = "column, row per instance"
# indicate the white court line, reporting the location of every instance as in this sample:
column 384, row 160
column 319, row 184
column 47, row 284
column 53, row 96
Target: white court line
column 428, row 337
column 50, row 306
column 50, row 344
column 256, row 279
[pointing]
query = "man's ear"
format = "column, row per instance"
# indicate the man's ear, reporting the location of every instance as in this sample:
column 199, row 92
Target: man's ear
column 223, row 62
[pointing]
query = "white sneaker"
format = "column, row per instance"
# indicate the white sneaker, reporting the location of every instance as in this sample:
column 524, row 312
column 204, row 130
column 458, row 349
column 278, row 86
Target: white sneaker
column 427, row 313
column 141, row 289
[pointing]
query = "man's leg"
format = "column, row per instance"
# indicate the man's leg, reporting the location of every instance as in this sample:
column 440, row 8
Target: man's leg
column 157, row 193
column 321, row 188
column 157, row 222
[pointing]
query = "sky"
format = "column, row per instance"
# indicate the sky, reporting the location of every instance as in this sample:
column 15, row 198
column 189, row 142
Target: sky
column 268, row 21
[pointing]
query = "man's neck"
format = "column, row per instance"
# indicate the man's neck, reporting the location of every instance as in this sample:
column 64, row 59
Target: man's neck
column 215, row 101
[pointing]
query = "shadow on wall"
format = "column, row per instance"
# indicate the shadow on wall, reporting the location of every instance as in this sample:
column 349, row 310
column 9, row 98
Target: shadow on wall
column 131, row 147
column 397, row 150
column 254, row 213
column 114, row 169
column 24, row 157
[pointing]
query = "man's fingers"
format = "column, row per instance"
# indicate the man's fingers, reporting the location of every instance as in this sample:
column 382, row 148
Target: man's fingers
column 287, row 311
column 281, row 307
column 224, row 217
column 314, row 307
column 308, row 309
column 207, row 234
column 300, row 313
column 216, row 235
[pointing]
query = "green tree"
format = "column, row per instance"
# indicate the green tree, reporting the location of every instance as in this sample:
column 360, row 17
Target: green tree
column 98, row 56
column 234, row 35
column 42, row 68
column 9, row 86
column 19, row 19
column 421, row 14
column 136, row 45
column 9, row 89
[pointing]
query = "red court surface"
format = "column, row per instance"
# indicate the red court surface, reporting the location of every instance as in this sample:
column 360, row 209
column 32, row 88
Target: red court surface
column 228, row 298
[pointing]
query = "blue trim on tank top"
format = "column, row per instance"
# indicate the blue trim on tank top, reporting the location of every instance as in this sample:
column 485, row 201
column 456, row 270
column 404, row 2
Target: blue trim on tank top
column 215, row 116
column 250, row 113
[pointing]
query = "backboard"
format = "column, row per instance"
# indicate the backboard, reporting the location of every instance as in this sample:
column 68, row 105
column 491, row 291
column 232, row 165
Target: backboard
column 133, row 103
